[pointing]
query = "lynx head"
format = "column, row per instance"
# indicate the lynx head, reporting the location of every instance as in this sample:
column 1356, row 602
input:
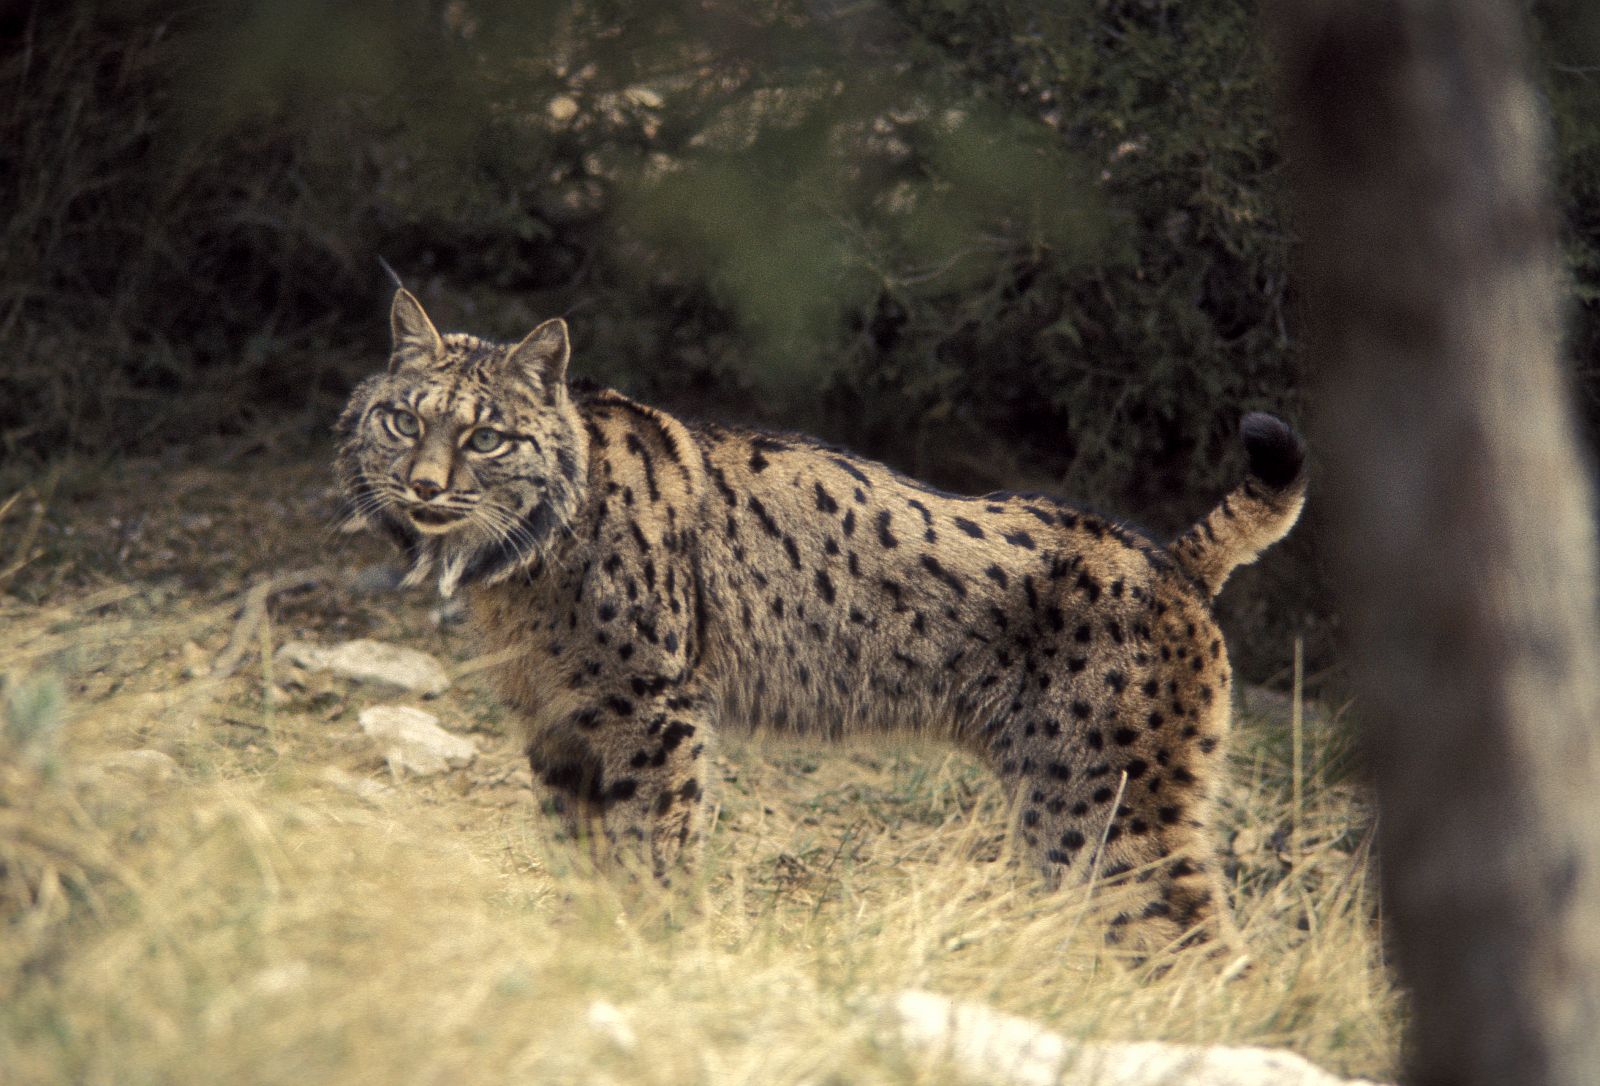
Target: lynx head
column 470, row 455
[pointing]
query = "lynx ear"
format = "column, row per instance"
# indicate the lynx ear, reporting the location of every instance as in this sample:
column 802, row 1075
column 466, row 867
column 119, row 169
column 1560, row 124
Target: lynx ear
column 543, row 353
column 415, row 338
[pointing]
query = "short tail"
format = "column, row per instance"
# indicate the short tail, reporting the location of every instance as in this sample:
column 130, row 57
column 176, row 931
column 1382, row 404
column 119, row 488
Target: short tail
column 1258, row 513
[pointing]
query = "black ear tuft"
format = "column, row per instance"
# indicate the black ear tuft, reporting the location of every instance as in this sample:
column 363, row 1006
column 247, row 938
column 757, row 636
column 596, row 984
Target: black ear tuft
column 1277, row 455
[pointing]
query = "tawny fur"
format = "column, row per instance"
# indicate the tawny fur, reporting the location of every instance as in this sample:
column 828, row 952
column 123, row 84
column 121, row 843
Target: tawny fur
column 654, row 581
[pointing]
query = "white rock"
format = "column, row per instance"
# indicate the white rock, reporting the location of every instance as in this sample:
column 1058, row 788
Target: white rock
column 607, row 1020
column 371, row 661
column 412, row 740
column 146, row 766
column 990, row 1047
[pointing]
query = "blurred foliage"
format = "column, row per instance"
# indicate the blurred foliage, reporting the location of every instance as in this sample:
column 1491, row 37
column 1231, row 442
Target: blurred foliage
column 1036, row 242
column 1568, row 46
column 32, row 710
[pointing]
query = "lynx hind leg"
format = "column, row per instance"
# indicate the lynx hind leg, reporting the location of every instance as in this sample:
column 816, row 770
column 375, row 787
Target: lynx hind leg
column 1160, row 876
column 1177, row 901
column 1120, row 796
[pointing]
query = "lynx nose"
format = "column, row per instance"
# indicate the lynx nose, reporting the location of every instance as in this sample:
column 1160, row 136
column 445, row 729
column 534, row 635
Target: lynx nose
column 426, row 489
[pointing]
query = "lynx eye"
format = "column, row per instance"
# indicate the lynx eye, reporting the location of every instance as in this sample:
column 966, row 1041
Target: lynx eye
column 404, row 423
column 485, row 440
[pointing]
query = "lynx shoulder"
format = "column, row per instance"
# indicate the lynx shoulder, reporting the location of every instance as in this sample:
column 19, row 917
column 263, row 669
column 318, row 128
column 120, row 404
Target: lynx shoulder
column 653, row 581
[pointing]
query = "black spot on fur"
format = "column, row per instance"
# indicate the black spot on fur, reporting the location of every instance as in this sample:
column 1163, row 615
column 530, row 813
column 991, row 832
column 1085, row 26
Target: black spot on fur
column 675, row 734
column 721, row 480
column 825, row 586
column 933, row 566
column 885, row 536
column 636, row 447
column 851, row 470
column 769, row 525
column 1089, row 586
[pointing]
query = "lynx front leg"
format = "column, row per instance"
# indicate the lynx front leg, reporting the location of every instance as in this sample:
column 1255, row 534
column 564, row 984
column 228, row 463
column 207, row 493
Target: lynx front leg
column 651, row 802
column 626, row 774
column 570, row 772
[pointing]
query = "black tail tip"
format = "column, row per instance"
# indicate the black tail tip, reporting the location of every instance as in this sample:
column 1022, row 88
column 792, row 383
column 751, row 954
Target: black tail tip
column 1277, row 455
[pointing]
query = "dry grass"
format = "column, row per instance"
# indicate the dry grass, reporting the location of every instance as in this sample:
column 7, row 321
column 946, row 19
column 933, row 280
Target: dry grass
column 255, row 919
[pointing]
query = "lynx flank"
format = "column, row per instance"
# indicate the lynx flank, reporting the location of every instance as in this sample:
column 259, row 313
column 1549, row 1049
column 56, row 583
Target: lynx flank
column 655, row 580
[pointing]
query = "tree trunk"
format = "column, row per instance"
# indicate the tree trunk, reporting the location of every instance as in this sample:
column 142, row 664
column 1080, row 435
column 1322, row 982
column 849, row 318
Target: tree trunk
column 1462, row 516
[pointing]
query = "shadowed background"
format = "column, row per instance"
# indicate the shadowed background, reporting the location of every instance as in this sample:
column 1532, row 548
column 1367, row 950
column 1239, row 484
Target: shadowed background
column 1002, row 244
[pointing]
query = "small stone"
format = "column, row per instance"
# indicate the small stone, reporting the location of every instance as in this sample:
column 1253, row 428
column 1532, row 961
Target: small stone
column 608, row 1021
column 371, row 661
column 145, row 766
column 411, row 740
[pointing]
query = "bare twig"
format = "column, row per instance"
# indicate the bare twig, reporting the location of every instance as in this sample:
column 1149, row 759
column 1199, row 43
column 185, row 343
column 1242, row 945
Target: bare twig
column 484, row 662
column 254, row 613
